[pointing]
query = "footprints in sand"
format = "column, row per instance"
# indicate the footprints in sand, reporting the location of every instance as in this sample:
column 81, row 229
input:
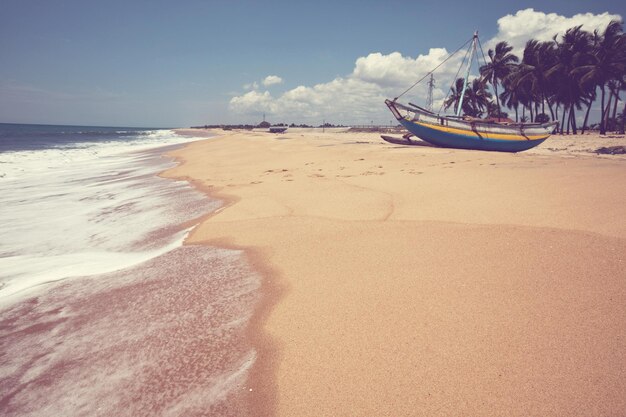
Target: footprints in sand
column 412, row 171
column 317, row 174
column 328, row 170
column 357, row 171
column 376, row 170
column 373, row 170
column 285, row 174
column 449, row 164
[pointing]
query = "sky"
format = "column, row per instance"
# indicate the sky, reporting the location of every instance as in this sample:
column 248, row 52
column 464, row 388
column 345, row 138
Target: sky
column 191, row 62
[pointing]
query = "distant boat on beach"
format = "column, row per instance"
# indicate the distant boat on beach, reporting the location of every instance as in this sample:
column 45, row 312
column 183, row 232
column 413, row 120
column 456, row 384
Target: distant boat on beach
column 465, row 132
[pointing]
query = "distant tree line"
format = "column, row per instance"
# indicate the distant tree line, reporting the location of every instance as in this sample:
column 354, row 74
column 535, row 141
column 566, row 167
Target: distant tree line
column 560, row 76
column 250, row 127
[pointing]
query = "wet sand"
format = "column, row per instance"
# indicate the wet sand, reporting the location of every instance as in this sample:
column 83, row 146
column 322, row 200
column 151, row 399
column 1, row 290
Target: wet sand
column 425, row 281
column 160, row 330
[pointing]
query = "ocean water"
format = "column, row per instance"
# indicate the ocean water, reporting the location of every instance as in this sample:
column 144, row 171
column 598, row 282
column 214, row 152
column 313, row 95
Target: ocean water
column 103, row 311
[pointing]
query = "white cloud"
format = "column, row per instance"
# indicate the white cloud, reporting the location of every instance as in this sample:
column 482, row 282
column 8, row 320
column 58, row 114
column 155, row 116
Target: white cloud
column 359, row 96
column 526, row 24
column 395, row 70
column 271, row 80
column 335, row 100
column 251, row 86
column 356, row 98
column 252, row 102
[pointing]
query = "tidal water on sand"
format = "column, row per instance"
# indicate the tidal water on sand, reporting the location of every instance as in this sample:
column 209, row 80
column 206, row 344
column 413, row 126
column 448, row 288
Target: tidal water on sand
column 103, row 311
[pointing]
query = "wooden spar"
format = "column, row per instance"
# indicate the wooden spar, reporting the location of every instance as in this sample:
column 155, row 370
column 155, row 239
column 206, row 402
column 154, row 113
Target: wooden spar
column 469, row 65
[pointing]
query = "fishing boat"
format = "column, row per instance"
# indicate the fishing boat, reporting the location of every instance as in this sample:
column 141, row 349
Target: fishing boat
column 464, row 132
column 277, row 129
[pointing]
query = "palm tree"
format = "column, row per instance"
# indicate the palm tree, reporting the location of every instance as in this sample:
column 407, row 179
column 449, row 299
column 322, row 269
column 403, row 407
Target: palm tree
column 531, row 75
column 573, row 51
column 502, row 64
column 476, row 97
column 590, row 97
column 563, row 73
column 608, row 62
column 518, row 90
column 511, row 100
column 455, row 94
column 623, row 122
column 614, row 89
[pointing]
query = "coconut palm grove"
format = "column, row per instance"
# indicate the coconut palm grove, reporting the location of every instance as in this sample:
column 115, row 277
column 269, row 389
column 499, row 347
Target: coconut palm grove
column 553, row 80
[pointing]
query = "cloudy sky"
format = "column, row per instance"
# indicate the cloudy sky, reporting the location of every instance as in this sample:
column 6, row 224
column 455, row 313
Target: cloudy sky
column 165, row 63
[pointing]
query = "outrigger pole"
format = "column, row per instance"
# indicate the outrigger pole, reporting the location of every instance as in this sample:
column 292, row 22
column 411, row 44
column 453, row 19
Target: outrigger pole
column 469, row 65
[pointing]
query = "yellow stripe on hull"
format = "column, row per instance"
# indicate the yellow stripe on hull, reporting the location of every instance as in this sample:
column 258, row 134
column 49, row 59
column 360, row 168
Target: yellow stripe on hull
column 484, row 135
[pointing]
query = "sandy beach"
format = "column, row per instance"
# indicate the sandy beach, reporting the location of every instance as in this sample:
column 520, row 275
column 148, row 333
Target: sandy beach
column 420, row 281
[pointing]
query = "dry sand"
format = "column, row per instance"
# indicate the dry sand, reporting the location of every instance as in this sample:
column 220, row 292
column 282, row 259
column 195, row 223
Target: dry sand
column 419, row 281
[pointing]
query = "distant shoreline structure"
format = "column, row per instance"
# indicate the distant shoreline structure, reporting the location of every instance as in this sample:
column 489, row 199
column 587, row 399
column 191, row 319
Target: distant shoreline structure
column 395, row 128
column 249, row 126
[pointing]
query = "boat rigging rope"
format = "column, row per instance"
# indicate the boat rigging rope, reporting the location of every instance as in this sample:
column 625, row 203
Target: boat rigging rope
column 444, row 61
column 459, row 70
column 454, row 80
column 481, row 51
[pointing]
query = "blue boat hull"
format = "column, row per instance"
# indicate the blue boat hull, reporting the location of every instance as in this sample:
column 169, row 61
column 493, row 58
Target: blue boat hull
column 454, row 138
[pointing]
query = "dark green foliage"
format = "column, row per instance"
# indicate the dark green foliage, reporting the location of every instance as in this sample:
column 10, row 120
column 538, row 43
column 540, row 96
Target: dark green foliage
column 556, row 78
column 476, row 100
column 503, row 62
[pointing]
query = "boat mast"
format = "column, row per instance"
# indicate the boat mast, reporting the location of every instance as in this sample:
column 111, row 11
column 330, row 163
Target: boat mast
column 469, row 65
column 429, row 98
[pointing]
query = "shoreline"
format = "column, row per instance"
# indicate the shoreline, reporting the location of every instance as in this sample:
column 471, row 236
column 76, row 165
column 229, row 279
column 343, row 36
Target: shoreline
column 262, row 399
column 253, row 220
column 107, row 340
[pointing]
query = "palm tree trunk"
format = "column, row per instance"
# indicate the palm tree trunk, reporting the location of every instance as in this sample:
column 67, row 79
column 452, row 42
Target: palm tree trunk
column 573, row 118
column 556, row 112
column 615, row 109
column 563, row 120
column 606, row 116
column 495, row 87
column 556, row 117
column 602, row 126
column 569, row 119
column 516, row 118
column 532, row 118
column 607, row 111
column 586, row 116
column 551, row 112
column 623, row 119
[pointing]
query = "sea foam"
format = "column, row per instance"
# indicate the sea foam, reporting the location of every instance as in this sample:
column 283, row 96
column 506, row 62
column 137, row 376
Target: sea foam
column 89, row 208
column 105, row 312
